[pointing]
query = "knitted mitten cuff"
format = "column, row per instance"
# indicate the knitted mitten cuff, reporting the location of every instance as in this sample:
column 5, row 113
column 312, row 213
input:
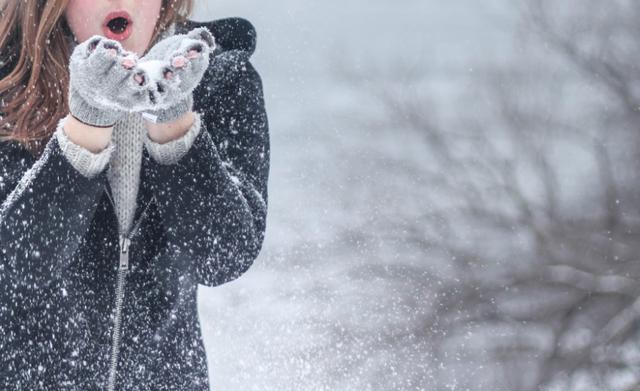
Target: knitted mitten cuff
column 89, row 114
column 171, row 113
column 86, row 162
column 172, row 151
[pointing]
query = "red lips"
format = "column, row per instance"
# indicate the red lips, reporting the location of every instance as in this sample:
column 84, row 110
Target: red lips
column 117, row 25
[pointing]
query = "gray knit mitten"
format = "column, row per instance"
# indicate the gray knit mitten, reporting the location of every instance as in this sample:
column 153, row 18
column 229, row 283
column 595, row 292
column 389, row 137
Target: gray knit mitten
column 175, row 66
column 105, row 82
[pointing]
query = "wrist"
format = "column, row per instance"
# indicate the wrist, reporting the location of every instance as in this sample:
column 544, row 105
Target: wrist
column 94, row 139
column 162, row 133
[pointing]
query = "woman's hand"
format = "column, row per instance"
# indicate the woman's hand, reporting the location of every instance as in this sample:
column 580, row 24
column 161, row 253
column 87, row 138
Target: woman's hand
column 175, row 67
column 105, row 82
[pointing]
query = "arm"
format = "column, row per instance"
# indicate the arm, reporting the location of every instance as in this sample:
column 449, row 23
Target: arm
column 47, row 206
column 88, row 149
column 46, row 210
column 213, row 200
column 168, row 142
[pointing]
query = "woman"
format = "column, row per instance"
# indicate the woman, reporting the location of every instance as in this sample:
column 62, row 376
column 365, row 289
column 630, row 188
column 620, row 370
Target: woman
column 110, row 220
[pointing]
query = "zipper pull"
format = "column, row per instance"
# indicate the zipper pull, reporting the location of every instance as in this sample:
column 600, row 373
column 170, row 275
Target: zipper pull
column 124, row 253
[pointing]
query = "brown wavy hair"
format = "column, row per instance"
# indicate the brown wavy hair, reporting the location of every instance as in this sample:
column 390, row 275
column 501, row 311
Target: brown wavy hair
column 34, row 57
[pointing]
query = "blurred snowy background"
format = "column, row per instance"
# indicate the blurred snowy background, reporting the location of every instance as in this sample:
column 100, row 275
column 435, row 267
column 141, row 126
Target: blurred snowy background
column 454, row 199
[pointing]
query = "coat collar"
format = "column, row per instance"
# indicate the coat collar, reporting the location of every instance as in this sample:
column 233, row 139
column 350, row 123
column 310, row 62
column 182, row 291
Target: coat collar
column 145, row 194
column 230, row 33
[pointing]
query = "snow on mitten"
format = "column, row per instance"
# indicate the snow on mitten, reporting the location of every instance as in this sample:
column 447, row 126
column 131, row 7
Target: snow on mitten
column 105, row 82
column 175, row 66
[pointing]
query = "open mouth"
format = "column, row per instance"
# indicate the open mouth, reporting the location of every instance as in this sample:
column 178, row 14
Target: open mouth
column 117, row 25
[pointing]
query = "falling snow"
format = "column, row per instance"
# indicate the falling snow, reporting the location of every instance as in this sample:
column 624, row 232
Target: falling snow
column 81, row 308
column 451, row 206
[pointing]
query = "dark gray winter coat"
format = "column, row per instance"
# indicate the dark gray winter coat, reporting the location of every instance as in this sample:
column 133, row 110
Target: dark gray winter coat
column 199, row 221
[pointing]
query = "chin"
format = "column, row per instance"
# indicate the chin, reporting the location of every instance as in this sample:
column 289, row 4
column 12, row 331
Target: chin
column 134, row 47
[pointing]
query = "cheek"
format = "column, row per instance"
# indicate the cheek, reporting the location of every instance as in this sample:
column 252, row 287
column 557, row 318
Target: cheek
column 149, row 12
column 147, row 19
column 79, row 17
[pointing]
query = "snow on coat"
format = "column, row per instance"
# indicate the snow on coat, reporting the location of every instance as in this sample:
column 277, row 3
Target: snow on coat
column 202, row 221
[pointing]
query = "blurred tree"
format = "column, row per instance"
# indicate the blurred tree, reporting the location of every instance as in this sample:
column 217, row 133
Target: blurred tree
column 534, row 199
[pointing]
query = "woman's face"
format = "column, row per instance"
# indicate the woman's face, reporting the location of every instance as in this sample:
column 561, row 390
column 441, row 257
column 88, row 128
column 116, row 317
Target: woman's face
column 131, row 22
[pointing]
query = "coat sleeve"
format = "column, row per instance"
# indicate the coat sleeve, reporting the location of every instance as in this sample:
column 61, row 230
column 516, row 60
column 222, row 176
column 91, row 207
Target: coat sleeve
column 47, row 206
column 213, row 200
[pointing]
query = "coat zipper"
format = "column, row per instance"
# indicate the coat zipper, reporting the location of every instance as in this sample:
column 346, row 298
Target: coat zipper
column 123, row 267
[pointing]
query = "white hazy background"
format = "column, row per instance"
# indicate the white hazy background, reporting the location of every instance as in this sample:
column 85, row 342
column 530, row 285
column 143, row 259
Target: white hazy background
column 453, row 199
column 304, row 317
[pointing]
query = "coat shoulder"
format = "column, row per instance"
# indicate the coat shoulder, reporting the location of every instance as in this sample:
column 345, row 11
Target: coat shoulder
column 230, row 71
column 233, row 33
